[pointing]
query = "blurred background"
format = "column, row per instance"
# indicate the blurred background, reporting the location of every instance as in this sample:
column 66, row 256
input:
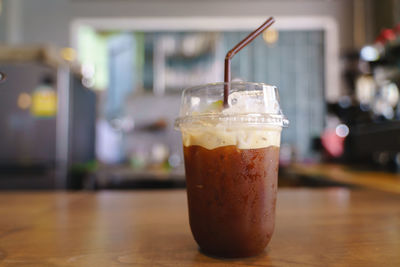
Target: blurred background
column 90, row 88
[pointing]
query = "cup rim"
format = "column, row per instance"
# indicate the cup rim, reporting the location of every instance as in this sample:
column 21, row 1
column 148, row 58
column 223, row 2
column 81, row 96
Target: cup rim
column 237, row 120
column 223, row 83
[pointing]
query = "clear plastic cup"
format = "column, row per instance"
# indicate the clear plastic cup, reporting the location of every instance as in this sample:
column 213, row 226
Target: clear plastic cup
column 231, row 162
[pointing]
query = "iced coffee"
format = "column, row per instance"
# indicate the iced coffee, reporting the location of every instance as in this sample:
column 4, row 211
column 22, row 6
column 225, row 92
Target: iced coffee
column 231, row 162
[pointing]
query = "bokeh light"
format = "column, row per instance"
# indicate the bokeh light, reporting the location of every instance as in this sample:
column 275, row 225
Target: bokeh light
column 24, row 101
column 342, row 130
column 270, row 36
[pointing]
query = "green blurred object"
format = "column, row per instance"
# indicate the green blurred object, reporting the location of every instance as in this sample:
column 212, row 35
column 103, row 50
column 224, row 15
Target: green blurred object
column 136, row 163
column 79, row 172
column 215, row 106
column 85, row 167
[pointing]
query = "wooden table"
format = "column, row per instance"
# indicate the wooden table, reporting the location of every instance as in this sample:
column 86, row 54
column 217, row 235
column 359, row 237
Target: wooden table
column 323, row 227
column 378, row 180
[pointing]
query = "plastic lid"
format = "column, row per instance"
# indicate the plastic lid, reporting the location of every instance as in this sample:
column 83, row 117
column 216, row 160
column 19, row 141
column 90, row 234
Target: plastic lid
column 249, row 104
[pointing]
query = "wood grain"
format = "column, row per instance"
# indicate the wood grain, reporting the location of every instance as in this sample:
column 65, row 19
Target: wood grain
column 329, row 227
column 378, row 180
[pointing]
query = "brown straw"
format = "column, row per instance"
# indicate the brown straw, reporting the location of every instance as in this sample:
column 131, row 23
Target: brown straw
column 235, row 50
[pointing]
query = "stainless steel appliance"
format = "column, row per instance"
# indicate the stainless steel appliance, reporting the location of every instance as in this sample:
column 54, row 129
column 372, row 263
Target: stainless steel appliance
column 47, row 120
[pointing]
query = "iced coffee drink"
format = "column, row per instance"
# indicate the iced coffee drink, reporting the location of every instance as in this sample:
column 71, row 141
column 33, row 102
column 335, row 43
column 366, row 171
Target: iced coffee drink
column 231, row 161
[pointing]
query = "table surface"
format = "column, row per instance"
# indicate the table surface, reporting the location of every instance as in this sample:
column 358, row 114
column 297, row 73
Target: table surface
column 320, row 227
column 377, row 180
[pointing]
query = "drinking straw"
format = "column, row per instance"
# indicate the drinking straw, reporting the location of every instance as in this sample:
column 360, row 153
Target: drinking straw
column 235, row 50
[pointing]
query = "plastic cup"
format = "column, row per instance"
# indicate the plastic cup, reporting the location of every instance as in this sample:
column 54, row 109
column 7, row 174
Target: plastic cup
column 231, row 161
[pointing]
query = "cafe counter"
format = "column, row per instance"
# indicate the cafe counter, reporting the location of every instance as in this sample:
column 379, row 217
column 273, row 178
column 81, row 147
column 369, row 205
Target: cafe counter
column 325, row 174
column 320, row 227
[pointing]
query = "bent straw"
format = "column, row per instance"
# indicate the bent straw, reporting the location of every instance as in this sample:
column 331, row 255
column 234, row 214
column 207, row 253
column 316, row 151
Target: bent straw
column 235, row 50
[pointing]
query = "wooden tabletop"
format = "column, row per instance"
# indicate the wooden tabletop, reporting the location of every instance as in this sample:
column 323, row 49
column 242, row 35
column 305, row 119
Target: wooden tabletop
column 378, row 180
column 321, row 227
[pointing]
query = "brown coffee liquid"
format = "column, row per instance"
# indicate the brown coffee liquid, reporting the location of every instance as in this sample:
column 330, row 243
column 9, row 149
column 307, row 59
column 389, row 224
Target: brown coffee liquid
column 231, row 196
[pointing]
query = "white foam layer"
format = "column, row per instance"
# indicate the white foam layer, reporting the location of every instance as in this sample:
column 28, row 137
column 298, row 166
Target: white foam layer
column 243, row 138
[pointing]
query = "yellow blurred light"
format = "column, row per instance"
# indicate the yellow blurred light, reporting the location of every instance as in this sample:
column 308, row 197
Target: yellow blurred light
column 270, row 36
column 24, row 101
column 68, row 53
column 44, row 103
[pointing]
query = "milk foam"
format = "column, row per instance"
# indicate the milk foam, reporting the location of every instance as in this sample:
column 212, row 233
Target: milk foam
column 212, row 135
column 243, row 138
